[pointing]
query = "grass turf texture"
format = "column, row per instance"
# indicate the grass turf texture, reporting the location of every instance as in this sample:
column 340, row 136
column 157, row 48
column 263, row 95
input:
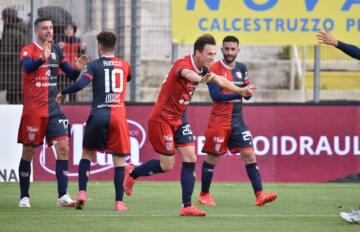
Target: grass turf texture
column 154, row 207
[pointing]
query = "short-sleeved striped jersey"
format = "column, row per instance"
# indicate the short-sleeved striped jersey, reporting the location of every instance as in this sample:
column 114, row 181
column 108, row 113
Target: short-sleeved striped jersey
column 109, row 75
column 40, row 86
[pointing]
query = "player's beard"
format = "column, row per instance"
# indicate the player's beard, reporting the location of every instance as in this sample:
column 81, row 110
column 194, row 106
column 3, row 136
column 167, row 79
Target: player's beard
column 229, row 59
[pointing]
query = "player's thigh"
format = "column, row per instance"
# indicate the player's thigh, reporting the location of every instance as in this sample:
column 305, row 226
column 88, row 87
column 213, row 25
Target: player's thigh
column 216, row 140
column 58, row 129
column 161, row 136
column 32, row 130
column 184, row 142
column 118, row 141
column 240, row 140
column 96, row 132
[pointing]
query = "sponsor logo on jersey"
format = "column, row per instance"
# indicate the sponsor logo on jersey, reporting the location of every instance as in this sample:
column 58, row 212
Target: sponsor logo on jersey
column 53, row 56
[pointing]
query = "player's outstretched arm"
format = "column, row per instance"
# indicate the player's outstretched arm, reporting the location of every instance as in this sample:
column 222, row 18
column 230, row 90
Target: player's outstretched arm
column 77, row 86
column 348, row 49
column 226, row 84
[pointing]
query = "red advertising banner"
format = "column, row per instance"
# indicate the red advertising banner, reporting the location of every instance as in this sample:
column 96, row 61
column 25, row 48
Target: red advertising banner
column 293, row 143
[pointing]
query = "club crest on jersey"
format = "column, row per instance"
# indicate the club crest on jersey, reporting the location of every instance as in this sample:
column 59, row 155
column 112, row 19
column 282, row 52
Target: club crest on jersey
column 25, row 53
column 239, row 75
column 169, row 146
column 217, row 147
column 53, row 56
column 31, row 136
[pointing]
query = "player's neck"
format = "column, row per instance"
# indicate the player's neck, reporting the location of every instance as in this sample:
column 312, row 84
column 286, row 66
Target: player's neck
column 40, row 43
column 106, row 54
column 196, row 62
column 231, row 64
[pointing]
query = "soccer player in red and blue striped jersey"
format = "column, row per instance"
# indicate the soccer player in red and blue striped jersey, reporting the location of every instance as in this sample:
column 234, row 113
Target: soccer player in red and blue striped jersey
column 41, row 114
column 106, row 128
column 226, row 128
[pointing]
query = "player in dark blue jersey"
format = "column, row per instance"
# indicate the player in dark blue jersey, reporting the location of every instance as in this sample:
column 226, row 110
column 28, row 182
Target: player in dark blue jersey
column 106, row 128
column 329, row 39
column 354, row 52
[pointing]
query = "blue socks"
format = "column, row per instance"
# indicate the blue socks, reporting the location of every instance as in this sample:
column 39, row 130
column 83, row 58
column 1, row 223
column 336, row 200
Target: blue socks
column 187, row 182
column 254, row 175
column 62, row 170
column 24, row 178
column 84, row 172
column 119, row 173
column 149, row 168
column 206, row 176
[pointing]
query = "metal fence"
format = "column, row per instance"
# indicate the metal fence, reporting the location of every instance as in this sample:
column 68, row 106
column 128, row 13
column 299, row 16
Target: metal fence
column 143, row 27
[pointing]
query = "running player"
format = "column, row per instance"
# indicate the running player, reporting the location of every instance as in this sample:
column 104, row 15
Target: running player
column 226, row 127
column 41, row 115
column 106, row 128
column 168, row 127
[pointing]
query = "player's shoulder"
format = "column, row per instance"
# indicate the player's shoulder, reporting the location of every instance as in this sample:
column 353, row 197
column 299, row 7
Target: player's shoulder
column 29, row 46
column 240, row 66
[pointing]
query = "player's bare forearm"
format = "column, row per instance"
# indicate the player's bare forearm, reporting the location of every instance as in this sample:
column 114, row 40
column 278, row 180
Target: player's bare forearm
column 225, row 83
column 190, row 75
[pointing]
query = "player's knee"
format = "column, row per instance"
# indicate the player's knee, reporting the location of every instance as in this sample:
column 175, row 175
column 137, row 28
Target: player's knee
column 212, row 159
column 28, row 153
column 62, row 152
column 249, row 157
column 167, row 165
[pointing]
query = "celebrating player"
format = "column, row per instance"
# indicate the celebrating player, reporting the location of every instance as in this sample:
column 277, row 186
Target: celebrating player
column 106, row 128
column 41, row 115
column 168, row 127
column 226, row 128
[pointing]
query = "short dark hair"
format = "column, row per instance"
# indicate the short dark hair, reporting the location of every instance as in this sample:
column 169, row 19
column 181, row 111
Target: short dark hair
column 41, row 19
column 202, row 41
column 107, row 39
column 231, row 38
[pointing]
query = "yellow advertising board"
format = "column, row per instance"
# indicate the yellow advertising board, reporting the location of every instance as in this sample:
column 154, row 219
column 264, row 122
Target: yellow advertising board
column 266, row 21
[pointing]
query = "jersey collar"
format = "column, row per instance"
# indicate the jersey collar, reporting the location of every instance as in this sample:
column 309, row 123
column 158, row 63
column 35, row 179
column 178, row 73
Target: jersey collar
column 227, row 66
column 38, row 45
column 108, row 56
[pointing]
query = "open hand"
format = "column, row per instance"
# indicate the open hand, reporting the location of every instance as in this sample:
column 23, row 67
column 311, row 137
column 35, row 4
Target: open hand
column 81, row 62
column 208, row 77
column 325, row 37
column 248, row 90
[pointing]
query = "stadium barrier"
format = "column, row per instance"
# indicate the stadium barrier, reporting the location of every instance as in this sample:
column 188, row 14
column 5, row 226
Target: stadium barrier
column 293, row 143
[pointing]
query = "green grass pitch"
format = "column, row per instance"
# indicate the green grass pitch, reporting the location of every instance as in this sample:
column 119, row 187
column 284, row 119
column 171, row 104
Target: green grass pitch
column 154, row 207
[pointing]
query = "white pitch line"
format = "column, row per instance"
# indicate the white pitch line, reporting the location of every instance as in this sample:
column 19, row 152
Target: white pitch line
column 167, row 215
